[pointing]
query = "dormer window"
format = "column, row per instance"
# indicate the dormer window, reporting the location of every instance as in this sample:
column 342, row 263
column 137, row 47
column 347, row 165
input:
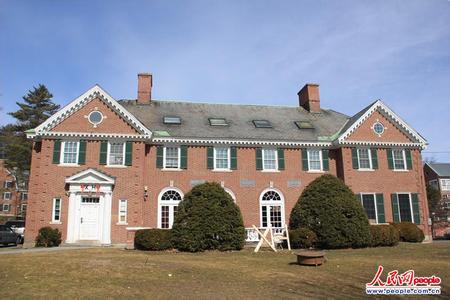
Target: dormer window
column 218, row 122
column 304, row 125
column 262, row 124
column 172, row 120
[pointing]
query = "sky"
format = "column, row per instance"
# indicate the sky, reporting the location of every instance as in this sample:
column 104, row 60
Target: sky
column 247, row 52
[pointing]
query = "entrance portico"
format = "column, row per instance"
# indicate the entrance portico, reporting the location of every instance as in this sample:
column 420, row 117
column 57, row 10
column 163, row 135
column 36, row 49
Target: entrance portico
column 89, row 212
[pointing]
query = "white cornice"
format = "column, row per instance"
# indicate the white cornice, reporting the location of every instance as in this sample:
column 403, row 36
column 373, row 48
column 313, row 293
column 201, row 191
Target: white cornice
column 240, row 142
column 76, row 104
column 381, row 144
column 90, row 135
column 389, row 114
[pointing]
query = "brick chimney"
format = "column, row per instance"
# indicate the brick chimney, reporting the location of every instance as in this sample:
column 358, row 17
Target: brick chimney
column 145, row 83
column 309, row 98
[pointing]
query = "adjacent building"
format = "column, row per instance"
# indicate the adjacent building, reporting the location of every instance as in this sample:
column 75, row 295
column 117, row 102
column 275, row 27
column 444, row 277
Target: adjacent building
column 102, row 168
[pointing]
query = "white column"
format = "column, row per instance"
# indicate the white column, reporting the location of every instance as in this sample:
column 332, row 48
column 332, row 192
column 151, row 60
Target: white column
column 106, row 232
column 71, row 220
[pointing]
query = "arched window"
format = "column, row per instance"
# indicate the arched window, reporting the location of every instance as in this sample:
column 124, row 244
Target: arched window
column 272, row 208
column 168, row 201
column 230, row 192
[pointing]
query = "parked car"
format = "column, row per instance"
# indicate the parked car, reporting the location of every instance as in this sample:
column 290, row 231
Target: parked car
column 8, row 236
column 18, row 226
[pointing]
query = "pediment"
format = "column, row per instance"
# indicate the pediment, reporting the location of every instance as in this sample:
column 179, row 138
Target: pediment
column 91, row 176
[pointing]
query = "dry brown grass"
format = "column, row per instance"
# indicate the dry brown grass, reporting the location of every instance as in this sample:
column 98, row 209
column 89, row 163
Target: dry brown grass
column 115, row 273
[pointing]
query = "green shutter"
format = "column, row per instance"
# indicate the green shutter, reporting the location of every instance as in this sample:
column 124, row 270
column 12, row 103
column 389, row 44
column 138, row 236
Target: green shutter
column 408, row 159
column 325, row 160
column 390, row 159
column 259, row 163
column 233, row 158
column 183, row 156
column 355, row 158
column 103, row 152
column 128, row 153
column 159, row 157
column 374, row 155
column 395, row 212
column 280, row 159
column 210, row 158
column 305, row 160
column 56, row 151
column 82, row 153
column 380, row 208
column 416, row 208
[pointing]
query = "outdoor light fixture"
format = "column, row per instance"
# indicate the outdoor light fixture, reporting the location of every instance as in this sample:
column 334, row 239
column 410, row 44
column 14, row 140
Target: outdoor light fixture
column 145, row 193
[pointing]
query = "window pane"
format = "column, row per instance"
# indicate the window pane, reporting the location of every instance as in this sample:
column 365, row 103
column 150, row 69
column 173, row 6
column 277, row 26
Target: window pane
column 57, row 209
column 164, row 217
column 122, row 211
column 171, row 157
column 222, row 158
column 445, row 184
column 399, row 163
column 405, row 208
column 70, row 152
column 368, row 202
column 275, row 216
column 116, row 153
column 314, row 160
column 364, row 159
column 264, row 215
column 269, row 159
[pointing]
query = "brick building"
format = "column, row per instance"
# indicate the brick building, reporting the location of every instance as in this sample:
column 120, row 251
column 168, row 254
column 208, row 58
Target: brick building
column 438, row 176
column 102, row 168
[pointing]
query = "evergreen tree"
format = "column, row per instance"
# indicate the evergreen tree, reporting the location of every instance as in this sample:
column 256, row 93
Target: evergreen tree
column 37, row 106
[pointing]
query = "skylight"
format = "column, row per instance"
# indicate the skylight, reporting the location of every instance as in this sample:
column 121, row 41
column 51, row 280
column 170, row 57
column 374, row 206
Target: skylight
column 172, row 120
column 218, row 122
column 262, row 124
column 304, row 125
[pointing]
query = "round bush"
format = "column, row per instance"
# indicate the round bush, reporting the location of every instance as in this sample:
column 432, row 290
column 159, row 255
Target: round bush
column 153, row 239
column 330, row 209
column 409, row 232
column 208, row 219
column 48, row 237
column 384, row 235
column 302, row 238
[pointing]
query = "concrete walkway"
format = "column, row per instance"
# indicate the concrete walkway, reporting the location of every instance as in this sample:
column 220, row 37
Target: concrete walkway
column 20, row 250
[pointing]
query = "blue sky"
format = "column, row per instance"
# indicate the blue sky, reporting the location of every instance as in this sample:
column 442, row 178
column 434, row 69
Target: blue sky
column 255, row 52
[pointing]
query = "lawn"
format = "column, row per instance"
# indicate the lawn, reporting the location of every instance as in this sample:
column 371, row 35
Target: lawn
column 116, row 273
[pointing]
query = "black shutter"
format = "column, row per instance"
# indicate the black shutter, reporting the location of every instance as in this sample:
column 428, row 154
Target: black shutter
column 128, row 153
column 305, row 160
column 103, row 152
column 183, row 156
column 280, row 159
column 233, row 158
column 210, row 158
column 56, row 151
column 82, row 153
column 159, row 157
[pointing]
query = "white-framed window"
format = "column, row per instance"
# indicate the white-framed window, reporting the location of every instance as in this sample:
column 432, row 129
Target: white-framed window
column 369, row 202
column 221, row 158
column 23, row 196
column 168, row 201
column 272, row 208
column 23, row 208
column 116, row 154
column 123, row 207
column 315, row 160
column 230, row 192
column 172, row 157
column 7, row 196
column 405, row 207
column 434, row 183
column 364, row 159
column 8, row 184
column 399, row 159
column 445, row 184
column 270, row 159
column 69, row 153
column 56, row 211
column 6, row 207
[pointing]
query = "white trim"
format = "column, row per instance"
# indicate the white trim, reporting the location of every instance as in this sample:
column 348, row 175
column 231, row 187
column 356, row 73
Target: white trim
column 6, row 205
column 108, row 152
column 374, row 202
column 410, row 206
column 61, row 156
column 271, row 203
column 276, row 160
column 54, row 221
column 91, row 135
column 382, row 144
column 179, row 158
column 119, row 222
column 137, row 228
column 101, row 114
column 369, row 151
column 230, row 192
column 441, row 185
column 5, row 184
column 321, row 161
column 81, row 101
column 405, row 166
column 228, row 159
column 171, row 204
column 7, row 193
column 389, row 114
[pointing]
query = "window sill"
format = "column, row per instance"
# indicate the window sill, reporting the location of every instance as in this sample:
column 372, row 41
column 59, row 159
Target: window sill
column 122, row 224
column 222, row 170
column 55, row 223
column 172, row 170
column 366, row 170
column 270, row 171
column 68, row 165
column 116, row 166
column 315, row 171
column 401, row 170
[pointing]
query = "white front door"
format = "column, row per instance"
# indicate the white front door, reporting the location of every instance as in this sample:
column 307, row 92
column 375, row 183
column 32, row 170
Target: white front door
column 89, row 218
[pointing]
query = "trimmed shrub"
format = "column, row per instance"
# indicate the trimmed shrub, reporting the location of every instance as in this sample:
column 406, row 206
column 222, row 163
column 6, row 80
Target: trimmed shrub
column 409, row 232
column 302, row 238
column 48, row 237
column 153, row 239
column 384, row 235
column 208, row 219
column 329, row 208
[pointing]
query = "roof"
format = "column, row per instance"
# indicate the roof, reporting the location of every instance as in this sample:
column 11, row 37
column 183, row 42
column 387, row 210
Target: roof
column 195, row 121
column 441, row 169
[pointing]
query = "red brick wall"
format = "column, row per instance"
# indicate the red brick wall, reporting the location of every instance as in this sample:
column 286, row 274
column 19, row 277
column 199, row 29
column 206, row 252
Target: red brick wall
column 15, row 196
